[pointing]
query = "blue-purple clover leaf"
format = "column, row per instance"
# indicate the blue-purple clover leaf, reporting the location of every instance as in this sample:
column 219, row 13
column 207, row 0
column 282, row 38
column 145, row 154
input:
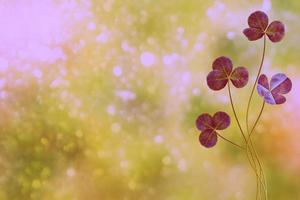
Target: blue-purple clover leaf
column 273, row 93
column 208, row 126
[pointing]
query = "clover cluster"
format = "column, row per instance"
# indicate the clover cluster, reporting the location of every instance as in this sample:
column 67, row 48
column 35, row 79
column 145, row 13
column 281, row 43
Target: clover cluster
column 223, row 73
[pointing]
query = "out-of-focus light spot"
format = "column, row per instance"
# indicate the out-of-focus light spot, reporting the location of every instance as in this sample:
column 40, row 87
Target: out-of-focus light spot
column 179, row 34
column 111, row 110
column 126, row 47
column 230, row 35
column 124, row 164
column 198, row 46
column 117, row 71
column 107, row 5
column 222, row 99
column 102, row 37
column 115, row 127
column 266, row 5
column 44, row 141
column 35, row 30
column 2, row 83
column 55, row 83
column 180, row 30
column 207, row 165
column 3, row 64
column 91, row 26
column 196, row 91
column 185, row 78
column 170, row 59
column 184, row 43
column 3, row 94
column 19, row 82
column 58, row 82
column 71, row 172
column 37, row 73
column 158, row 139
column 182, row 165
column 147, row 59
column 126, row 95
column 214, row 12
column 63, row 71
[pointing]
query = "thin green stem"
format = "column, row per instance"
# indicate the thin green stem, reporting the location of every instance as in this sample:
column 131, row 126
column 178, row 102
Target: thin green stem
column 261, row 172
column 239, row 146
column 256, row 121
column 234, row 113
column 251, row 160
column 253, row 88
column 261, row 175
column 247, row 120
column 255, row 152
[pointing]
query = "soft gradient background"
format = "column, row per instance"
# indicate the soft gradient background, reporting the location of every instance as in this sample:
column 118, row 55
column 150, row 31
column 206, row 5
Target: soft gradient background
column 98, row 100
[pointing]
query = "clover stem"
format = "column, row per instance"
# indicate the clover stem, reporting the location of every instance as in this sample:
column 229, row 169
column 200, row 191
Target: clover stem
column 261, row 171
column 257, row 119
column 239, row 146
column 255, row 152
column 234, row 113
column 251, row 160
column 256, row 80
column 247, row 117
column 238, row 122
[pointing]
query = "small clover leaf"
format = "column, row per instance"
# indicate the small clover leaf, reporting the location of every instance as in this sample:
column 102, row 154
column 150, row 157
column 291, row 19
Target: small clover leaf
column 208, row 138
column 239, row 77
column 208, row 126
column 258, row 26
column 222, row 73
column 273, row 93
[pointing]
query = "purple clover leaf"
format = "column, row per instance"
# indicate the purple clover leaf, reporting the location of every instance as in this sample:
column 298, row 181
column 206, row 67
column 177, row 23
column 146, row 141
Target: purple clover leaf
column 208, row 126
column 258, row 26
column 273, row 93
column 222, row 72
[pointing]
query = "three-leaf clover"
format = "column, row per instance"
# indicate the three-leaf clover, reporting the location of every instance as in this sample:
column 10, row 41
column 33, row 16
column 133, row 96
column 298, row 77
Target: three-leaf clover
column 259, row 25
column 273, row 93
column 222, row 72
column 208, row 126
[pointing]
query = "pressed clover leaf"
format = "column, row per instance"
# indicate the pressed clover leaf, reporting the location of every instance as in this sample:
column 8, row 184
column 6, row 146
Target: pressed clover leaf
column 258, row 26
column 222, row 72
column 273, row 93
column 208, row 126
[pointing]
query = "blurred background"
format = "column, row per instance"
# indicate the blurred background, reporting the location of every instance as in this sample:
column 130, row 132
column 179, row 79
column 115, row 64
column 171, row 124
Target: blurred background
column 98, row 100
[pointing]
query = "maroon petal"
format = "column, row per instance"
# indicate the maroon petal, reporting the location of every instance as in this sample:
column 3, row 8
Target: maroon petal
column 239, row 77
column 263, row 80
column 223, row 64
column 259, row 20
column 278, row 99
column 253, row 33
column 263, row 89
column 221, row 120
column 275, row 31
column 208, row 138
column 204, row 122
column 280, row 84
column 216, row 80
